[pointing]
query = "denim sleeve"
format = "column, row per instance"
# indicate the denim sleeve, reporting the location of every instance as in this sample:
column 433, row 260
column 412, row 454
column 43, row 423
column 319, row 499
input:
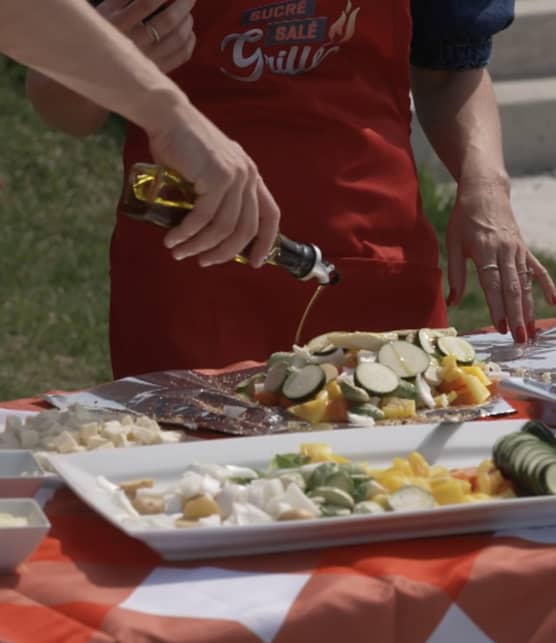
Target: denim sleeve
column 456, row 34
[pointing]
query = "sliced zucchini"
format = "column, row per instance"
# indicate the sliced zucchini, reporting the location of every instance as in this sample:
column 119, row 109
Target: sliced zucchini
column 280, row 357
column 305, row 383
column 549, row 478
column 411, row 498
column 334, row 496
column 247, row 386
column 276, row 376
column 458, row 348
column 340, row 480
column 539, row 429
column 405, row 359
column 426, row 339
column 357, row 340
column 353, row 393
column 319, row 344
column 376, row 379
column 368, row 410
column 368, row 507
column 330, row 370
column 406, row 390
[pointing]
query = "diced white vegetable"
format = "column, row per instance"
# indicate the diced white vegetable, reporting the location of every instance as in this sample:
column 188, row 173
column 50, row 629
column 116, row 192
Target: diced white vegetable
column 173, row 503
column 277, row 506
column 360, row 420
column 30, row 439
column 248, row 514
column 228, row 495
column 210, row 521
column 424, row 392
column 65, row 443
column 298, row 500
column 190, row 484
column 171, row 437
column 366, row 357
column 261, row 492
column 88, row 430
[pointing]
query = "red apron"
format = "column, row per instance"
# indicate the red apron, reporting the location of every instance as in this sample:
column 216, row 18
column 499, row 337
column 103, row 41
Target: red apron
column 317, row 92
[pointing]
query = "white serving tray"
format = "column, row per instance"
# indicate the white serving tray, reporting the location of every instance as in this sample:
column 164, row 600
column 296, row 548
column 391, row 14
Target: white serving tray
column 447, row 444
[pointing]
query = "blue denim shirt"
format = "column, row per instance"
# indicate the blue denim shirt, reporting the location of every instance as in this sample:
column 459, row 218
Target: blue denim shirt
column 456, row 34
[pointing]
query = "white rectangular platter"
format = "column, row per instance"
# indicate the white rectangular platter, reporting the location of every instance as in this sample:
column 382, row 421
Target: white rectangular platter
column 451, row 445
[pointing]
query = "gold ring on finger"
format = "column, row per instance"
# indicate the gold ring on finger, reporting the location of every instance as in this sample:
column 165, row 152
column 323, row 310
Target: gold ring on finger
column 153, row 33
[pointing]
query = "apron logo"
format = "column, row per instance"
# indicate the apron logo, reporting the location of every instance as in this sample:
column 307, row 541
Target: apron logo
column 292, row 26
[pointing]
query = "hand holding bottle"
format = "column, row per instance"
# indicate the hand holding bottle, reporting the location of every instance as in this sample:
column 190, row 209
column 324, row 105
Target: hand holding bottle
column 234, row 208
column 162, row 31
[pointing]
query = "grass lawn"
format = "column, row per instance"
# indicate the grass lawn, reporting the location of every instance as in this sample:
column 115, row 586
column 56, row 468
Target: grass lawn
column 57, row 211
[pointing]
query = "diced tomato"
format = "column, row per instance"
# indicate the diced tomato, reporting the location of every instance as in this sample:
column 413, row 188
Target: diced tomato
column 336, row 410
column 266, row 398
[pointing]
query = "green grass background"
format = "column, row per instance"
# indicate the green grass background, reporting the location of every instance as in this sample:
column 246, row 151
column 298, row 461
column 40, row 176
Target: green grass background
column 56, row 215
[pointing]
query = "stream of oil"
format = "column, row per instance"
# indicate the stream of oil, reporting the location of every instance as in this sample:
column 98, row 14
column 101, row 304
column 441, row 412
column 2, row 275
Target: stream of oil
column 306, row 312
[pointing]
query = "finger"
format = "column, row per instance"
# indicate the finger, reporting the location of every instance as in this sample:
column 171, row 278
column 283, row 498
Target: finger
column 176, row 14
column 246, row 230
column 512, row 292
column 456, row 269
column 142, row 38
column 543, row 278
column 491, row 283
column 221, row 228
column 135, row 13
column 109, row 7
column 525, row 274
column 269, row 220
column 173, row 44
column 202, row 214
column 178, row 59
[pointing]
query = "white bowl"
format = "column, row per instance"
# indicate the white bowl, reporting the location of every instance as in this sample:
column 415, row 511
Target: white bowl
column 17, row 543
column 21, row 476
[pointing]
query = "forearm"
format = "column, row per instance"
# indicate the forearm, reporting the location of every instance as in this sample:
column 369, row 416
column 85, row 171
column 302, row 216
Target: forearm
column 459, row 115
column 109, row 70
column 62, row 108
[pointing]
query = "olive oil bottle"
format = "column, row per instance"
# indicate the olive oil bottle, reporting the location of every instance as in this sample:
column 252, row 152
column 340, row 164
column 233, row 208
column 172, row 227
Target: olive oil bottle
column 160, row 196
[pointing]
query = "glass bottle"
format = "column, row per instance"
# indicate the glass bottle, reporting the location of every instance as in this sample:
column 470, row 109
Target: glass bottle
column 158, row 195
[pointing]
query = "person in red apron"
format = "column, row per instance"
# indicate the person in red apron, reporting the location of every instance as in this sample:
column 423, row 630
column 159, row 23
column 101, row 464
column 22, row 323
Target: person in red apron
column 317, row 93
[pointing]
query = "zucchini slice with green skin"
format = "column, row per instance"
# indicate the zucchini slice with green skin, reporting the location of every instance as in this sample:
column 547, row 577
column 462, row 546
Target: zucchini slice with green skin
column 411, row 498
column 280, row 356
column 406, row 390
column 405, row 359
column 549, row 478
column 539, row 429
column 458, row 348
column 368, row 410
column 305, row 383
column 353, row 393
column 247, row 386
column 276, row 376
column 426, row 339
column 376, row 379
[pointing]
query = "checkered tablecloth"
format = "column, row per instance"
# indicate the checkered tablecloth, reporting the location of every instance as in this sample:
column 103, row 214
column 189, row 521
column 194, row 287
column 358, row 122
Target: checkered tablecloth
column 90, row 582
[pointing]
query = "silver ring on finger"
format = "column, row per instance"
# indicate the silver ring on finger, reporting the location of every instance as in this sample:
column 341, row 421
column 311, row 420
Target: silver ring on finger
column 489, row 266
column 153, row 33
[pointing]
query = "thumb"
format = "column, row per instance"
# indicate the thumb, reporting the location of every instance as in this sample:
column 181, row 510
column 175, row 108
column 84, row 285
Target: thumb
column 457, row 271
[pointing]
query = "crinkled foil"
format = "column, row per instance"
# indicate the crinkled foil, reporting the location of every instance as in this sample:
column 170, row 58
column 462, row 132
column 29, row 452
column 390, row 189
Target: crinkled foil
column 198, row 402
column 186, row 399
